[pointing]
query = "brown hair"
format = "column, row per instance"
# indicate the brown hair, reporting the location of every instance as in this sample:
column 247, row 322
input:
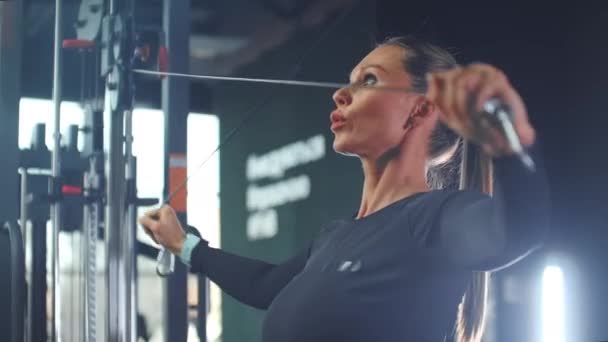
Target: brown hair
column 454, row 164
column 420, row 59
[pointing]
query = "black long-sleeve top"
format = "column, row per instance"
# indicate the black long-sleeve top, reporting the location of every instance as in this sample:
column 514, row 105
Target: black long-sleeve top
column 395, row 275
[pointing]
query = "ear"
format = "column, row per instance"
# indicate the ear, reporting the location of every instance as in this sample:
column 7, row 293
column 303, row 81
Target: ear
column 424, row 113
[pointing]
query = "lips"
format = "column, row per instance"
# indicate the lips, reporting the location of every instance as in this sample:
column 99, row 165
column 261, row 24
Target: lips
column 337, row 120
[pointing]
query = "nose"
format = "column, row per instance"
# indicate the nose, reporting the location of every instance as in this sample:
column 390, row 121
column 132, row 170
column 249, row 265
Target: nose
column 342, row 97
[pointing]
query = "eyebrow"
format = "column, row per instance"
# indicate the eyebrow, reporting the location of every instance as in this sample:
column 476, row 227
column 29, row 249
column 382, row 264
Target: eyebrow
column 369, row 66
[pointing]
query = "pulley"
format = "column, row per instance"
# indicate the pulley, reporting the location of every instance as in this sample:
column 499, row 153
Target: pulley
column 90, row 15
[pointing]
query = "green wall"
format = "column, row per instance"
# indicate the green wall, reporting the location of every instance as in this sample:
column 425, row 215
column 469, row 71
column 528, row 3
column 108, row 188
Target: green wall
column 292, row 114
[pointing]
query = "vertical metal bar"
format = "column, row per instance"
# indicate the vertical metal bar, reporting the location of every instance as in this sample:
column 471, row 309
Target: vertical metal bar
column 129, row 237
column 23, row 222
column 92, row 273
column 56, row 169
column 113, row 9
column 38, row 287
column 23, row 203
column 17, row 266
column 203, row 307
column 118, row 243
column 175, row 104
column 92, row 213
column 114, row 219
column 129, row 253
column 84, row 256
column 23, row 219
column 37, row 213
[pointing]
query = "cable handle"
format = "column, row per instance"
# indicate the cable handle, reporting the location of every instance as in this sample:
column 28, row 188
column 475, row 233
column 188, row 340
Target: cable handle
column 165, row 263
column 496, row 114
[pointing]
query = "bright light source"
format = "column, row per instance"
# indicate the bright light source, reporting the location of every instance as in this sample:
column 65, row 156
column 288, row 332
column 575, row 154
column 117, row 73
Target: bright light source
column 553, row 305
column 33, row 111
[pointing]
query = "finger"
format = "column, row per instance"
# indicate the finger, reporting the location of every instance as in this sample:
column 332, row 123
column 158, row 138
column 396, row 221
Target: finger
column 503, row 89
column 521, row 123
column 494, row 83
column 526, row 133
column 480, row 74
column 150, row 233
column 437, row 97
column 432, row 87
column 157, row 239
column 449, row 92
column 153, row 237
column 449, row 102
column 153, row 213
column 464, row 88
column 439, row 81
column 149, row 223
column 488, row 91
column 483, row 69
column 498, row 142
column 467, row 90
column 167, row 210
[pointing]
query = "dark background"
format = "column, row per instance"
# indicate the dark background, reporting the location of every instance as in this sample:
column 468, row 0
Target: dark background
column 555, row 55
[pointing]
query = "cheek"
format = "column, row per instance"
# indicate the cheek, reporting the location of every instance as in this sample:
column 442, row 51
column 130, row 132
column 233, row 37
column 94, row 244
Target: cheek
column 383, row 115
column 376, row 124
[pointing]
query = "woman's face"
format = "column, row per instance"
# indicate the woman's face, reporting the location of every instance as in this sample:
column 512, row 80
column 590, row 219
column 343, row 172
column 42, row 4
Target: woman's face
column 368, row 122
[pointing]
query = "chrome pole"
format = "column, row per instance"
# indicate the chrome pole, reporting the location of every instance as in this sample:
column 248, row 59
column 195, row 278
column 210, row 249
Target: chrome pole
column 23, row 222
column 91, row 222
column 115, row 213
column 129, row 235
column 56, row 172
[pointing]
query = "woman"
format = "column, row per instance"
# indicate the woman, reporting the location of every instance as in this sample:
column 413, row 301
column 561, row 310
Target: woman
column 398, row 269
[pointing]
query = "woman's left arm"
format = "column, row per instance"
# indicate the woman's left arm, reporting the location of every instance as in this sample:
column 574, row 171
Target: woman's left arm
column 474, row 229
column 486, row 233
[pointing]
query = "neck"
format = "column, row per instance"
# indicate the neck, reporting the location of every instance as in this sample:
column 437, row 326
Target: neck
column 393, row 176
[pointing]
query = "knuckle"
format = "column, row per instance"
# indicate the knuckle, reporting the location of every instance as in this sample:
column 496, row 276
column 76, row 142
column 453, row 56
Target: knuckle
column 455, row 71
column 463, row 79
column 432, row 92
column 154, row 227
column 501, row 76
column 476, row 66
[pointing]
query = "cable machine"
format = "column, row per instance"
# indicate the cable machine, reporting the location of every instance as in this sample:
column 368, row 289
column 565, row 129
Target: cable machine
column 93, row 191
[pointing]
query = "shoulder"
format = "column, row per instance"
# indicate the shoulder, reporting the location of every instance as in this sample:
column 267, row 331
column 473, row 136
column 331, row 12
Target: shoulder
column 425, row 212
column 432, row 202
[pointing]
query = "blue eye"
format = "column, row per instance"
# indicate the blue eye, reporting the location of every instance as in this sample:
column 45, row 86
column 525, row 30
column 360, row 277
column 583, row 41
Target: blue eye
column 369, row 80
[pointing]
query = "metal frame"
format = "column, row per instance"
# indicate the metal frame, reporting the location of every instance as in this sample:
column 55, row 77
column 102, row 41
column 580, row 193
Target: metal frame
column 129, row 241
column 121, row 200
column 17, row 281
column 114, row 223
column 93, row 189
column 120, row 229
column 175, row 105
column 35, row 210
column 55, row 184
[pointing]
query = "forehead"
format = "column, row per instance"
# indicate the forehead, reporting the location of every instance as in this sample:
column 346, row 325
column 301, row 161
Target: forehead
column 390, row 57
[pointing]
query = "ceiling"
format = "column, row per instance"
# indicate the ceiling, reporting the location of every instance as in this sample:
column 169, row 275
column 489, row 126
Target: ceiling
column 225, row 34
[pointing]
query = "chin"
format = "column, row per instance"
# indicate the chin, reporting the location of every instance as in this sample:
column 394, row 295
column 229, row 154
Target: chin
column 343, row 148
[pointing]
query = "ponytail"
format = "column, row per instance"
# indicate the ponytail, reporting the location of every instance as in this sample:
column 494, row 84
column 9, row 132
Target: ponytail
column 476, row 173
column 445, row 156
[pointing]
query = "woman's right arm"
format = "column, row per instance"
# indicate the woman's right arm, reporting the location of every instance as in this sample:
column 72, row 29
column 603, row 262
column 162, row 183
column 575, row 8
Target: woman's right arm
column 253, row 282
